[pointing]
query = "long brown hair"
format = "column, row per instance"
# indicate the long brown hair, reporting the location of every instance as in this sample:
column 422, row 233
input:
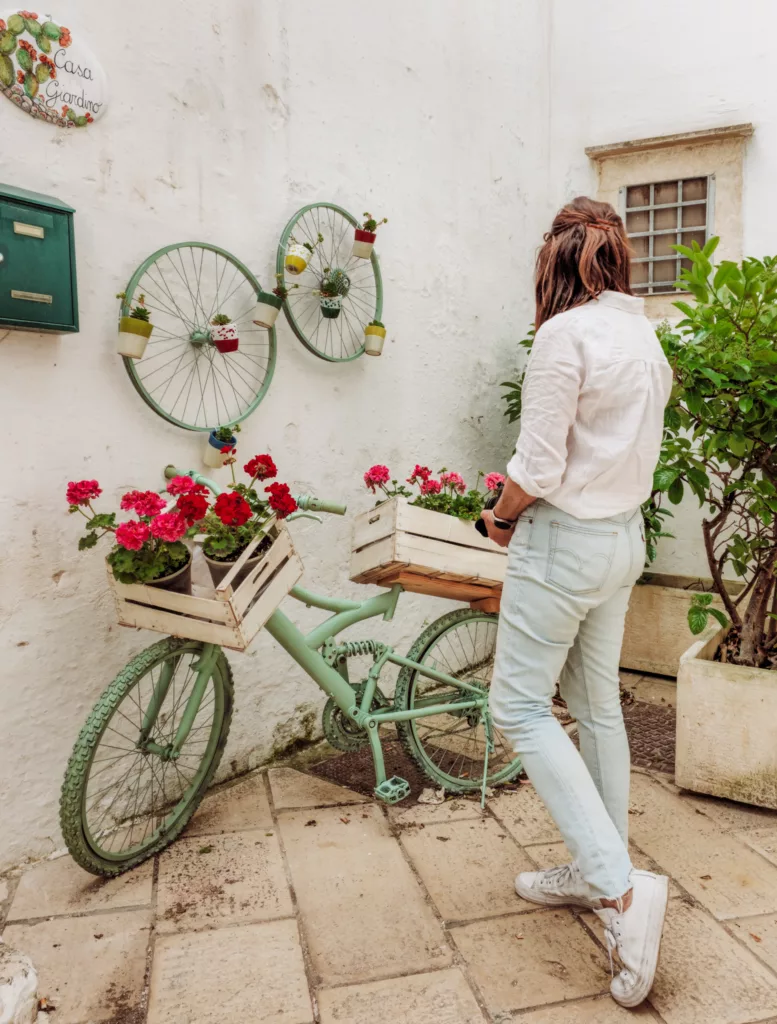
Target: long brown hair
column 585, row 253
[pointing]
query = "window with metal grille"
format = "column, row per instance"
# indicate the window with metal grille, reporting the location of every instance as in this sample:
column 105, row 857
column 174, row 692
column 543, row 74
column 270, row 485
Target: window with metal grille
column 661, row 215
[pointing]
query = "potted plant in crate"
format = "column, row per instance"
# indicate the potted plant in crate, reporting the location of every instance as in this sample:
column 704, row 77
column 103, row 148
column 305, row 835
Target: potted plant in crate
column 364, row 237
column 240, row 515
column 220, row 445
column 269, row 304
column 374, row 337
column 150, row 548
column 298, row 254
column 721, row 444
column 134, row 330
column 223, row 334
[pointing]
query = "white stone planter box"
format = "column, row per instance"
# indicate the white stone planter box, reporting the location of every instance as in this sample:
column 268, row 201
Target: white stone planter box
column 221, row 615
column 726, row 727
column 427, row 552
column 657, row 633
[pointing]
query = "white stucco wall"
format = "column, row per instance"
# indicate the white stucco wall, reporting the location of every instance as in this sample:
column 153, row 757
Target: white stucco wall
column 224, row 119
column 632, row 71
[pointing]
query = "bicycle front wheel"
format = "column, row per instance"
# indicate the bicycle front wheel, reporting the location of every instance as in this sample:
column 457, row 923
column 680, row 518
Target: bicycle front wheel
column 450, row 747
column 120, row 802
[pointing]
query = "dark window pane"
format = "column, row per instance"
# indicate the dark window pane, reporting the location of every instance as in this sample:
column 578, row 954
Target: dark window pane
column 638, row 195
column 665, row 193
column 695, row 216
column 695, row 188
column 639, row 272
column 665, row 218
column 694, row 236
column 638, row 221
column 665, row 270
column 662, row 244
column 640, row 246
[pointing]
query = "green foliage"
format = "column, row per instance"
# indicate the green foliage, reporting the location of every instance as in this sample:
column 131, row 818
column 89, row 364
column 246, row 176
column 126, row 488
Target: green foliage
column 220, row 320
column 329, row 285
column 653, row 516
column 227, row 433
column 138, row 312
column 463, row 506
column 700, row 611
column 310, row 246
column 720, row 439
column 371, row 224
column 7, row 42
column 152, row 562
column 376, row 323
column 512, row 396
column 282, row 290
column 6, row 71
column 16, row 24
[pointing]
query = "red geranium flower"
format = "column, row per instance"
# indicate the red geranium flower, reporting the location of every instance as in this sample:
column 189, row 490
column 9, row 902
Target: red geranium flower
column 281, row 500
column 376, row 476
column 419, row 475
column 431, row 487
column 144, row 503
column 132, row 535
column 232, row 509
column 180, row 485
column 82, row 492
column 261, row 467
column 170, row 526
column 192, row 507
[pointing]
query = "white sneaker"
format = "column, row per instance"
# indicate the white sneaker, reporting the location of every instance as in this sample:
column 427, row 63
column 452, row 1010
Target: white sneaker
column 556, row 887
column 636, row 936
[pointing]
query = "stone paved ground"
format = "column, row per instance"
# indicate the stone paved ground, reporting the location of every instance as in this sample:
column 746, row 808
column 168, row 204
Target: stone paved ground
column 290, row 900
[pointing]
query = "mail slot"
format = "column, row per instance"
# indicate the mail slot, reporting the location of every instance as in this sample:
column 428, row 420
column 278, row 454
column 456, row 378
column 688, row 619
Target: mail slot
column 38, row 289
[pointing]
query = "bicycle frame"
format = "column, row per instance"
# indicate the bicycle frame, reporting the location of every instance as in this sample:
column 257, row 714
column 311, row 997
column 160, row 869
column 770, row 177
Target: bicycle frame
column 306, row 650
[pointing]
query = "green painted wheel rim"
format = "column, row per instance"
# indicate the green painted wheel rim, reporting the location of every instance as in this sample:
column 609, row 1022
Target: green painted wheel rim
column 182, row 376
column 418, row 730
column 181, row 809
column 340, row 340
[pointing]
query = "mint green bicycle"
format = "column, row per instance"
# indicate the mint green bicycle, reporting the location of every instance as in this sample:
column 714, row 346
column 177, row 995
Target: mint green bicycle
column 152, row 743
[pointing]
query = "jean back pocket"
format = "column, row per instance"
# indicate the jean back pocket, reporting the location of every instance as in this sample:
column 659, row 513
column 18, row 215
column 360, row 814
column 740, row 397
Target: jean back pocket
column 579, row 560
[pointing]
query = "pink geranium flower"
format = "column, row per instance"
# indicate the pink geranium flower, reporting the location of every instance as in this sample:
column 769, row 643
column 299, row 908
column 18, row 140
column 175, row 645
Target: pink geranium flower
column 493, row 481
column 453, row 480
column 180, row 485
column 144, row 503
column 377, row 476
column 82, row 492
column 431, row 487
column 419, row 475
column 170, row 526
column 132, row 535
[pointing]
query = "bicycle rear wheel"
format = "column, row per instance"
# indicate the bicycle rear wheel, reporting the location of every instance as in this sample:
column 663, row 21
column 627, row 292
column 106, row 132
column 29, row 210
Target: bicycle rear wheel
column 121, row 804
column 450, row 747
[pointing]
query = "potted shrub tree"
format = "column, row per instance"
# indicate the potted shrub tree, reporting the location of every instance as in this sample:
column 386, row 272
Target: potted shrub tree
column 150, row 548
column 134, row 330
column 374, row 337
column 223, row 334
column 269, row 304
column 220, row 445
column 298, row 254
column 721, row 444
column 239, row 515
column 364, row 237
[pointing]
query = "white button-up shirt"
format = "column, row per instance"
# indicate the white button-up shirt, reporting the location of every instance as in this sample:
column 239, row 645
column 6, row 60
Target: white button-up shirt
column 593, row 401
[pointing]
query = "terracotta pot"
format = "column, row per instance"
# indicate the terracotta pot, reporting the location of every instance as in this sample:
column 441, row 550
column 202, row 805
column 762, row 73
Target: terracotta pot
column 224, row 337
column 267, row 309
column 133, row 337
column 373, row 340
column 179, row 581
column 363, row 243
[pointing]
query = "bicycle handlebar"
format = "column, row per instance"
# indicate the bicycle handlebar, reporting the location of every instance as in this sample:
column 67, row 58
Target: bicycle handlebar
column 306, row 502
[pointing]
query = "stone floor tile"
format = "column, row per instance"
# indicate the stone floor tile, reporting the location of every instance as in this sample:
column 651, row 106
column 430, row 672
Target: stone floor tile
column 525, row 816
column 468, row 868
column 441, row 997
column 704, row 976
column 529, row 960
column 760, row 935
column 655, row 690
column 253, row 973
column 601, row 1010
column 717, row 869
column 292, row 789
column 422, row 814
column 362, row 910
column 61, row 887
column 233, row 809
column 90, row 968
column 221, row 880
column 762, row 840
column 729, row 815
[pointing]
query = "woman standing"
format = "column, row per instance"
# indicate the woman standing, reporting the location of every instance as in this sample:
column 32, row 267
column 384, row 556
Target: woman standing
column 592, row 417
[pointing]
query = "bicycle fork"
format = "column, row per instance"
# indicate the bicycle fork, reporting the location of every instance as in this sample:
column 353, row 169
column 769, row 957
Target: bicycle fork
column 204, row 667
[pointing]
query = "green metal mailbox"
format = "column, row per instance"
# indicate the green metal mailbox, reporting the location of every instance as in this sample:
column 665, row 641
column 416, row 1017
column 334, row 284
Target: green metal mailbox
column 38, row 290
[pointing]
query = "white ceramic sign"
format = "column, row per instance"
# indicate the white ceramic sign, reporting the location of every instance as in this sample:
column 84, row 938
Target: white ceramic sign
column 48, row 72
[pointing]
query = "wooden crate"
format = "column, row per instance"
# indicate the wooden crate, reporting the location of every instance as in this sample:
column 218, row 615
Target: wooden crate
column 427, row 553
column 221, row 615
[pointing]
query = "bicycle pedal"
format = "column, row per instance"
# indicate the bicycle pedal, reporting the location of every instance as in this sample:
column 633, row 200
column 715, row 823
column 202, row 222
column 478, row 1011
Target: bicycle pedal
column 393, row 790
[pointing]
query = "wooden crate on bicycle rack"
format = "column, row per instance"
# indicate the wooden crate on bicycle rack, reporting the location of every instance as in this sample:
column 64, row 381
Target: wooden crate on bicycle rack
column 426, row 552
column 230, row 617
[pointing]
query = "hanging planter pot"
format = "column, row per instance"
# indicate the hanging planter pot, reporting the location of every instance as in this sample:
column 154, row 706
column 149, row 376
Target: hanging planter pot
column 374, row 337
column 297, row 257
column 217, row 451
column 133, row 337
column 267, row 309
column 331, row 306
column 225, row 337
column 363, row 244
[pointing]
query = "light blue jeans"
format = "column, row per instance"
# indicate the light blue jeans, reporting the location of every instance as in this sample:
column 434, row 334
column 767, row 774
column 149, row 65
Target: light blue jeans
column 564, row 606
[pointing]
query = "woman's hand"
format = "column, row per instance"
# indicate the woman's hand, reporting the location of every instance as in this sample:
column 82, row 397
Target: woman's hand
column 500, row 537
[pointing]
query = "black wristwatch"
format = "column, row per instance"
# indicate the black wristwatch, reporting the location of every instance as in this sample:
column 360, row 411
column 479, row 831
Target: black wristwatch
column 504, row 524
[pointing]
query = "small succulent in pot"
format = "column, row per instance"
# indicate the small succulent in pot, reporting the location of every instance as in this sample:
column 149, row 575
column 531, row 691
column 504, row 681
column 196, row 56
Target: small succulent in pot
column 374, row 337
column 269, row 304
column 221, row 445
column 223, row 333
column 134, row 329
column 364, row 237
column 331, row 290
column 298, row 254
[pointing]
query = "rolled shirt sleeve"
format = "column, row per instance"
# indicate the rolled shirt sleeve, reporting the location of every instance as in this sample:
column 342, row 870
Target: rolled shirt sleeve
column 549, row 400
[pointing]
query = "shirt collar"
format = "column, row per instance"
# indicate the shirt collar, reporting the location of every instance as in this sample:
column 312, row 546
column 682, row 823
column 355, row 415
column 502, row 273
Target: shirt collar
column 627, row 303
